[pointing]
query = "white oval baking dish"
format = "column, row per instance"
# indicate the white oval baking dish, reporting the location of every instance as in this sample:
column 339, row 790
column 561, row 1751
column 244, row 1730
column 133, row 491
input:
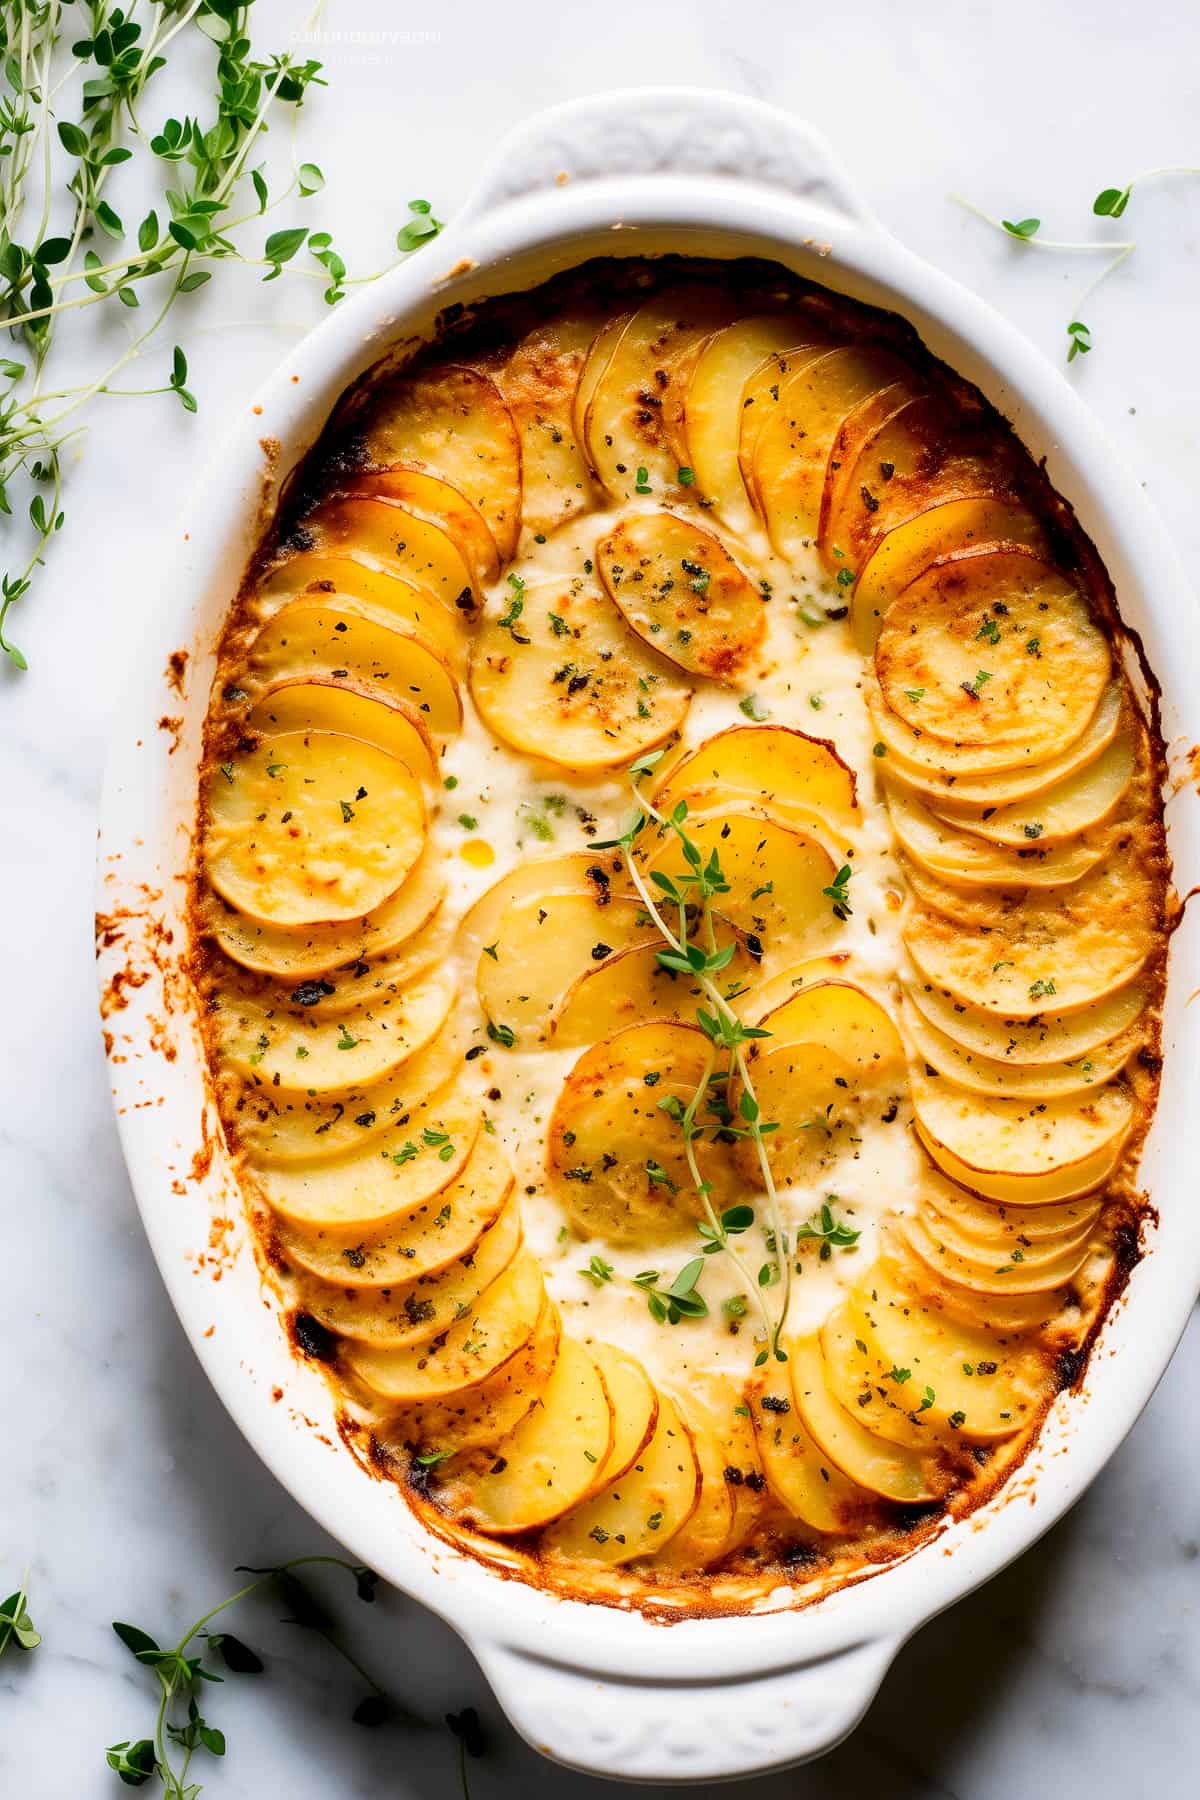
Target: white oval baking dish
column 639, row 171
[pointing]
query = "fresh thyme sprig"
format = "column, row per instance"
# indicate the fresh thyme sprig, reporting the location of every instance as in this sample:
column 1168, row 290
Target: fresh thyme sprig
column 213, row 193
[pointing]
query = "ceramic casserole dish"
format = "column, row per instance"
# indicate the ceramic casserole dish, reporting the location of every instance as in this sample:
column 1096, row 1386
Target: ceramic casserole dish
column 601, row 1689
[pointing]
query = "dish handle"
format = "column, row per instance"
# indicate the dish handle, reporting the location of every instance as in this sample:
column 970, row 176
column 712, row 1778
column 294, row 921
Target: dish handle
column 638, row 132
column 680, row 1730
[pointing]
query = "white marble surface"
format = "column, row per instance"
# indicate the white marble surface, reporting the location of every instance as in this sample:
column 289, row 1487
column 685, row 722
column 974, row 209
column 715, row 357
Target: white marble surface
column 124, row 1487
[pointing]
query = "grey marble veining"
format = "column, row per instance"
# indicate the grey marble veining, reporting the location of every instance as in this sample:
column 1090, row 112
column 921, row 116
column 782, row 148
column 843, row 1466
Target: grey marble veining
column 125, row 1488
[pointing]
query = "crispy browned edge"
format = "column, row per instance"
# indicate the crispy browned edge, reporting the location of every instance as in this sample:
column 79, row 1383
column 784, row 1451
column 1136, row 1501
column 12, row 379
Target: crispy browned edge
column 481, row 331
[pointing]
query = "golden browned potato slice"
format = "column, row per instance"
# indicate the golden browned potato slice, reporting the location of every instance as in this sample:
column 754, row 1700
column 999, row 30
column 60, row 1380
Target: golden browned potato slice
column 1019, row 1316
column 542, row 944
column 767, row 995
column 792, row 452
column 776, row 875
column 548, row 1464
column 310, row 827
column 319, row 635
column 641, row 1512
column 940, row 529
column 714, row 405
column 352, row 709
column 961, row 857
column 706, row 1534
column 1046, row 1038
column 726, row 1413
column 439, row 503
column 386, row 1180
column 762, row 399
column 846, row 1019
column 266, row 1035
column 977, row 1227
column 635, row 1411
column 449, row 1224
column 539, row 382
column 993, row 646
column 453, row 422
column 803, row 1480
column 631, row 415
column 1011, row 1273
column 296, row 952
column 871, row 1393
column 412, row 548
column 616, row 1158
column 489, row 1333
column 358, row 574
column 633, row 986
column 850, row 510
column 595, row 362
column 373, row 981
column 412, row 1312
column 793, row 776
column 557, row 673
column 985, row 1384
column 601, row 873
column 1021, row 1150
column 484, row 1414
column 1036, row 1081
column 952, row 787
column 680, row 590
column 1077, row 804
column 882, row 1467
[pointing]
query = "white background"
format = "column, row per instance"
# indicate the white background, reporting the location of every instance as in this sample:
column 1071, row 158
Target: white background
column 122, row 1484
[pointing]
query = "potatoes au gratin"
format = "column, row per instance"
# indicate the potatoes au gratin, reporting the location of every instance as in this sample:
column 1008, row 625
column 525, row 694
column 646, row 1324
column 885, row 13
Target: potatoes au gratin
column 680, row 916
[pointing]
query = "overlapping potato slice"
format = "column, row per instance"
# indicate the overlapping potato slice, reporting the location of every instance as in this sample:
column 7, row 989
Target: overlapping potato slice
column 960, row 856
column 548, row 1464
column 965, row 1220
column 984, row 1384
column 492, row 1330
column 636, row 408
column 320, row 635
column 941, row 529
column 351, row 709
column 539, row 383
column 852, row 499
column 296, row 952
column 1015, row 1274
column 412, row 1312
column 705, row 1536
column 267, row 1036
column 355, row 572
column 776, row 877
column 595, row 362
column 680, row 590
column 484, row 1414
column 883, row 1401
column 1046, row 1038
column 713, row 407
column 802, row 1479
column 632, row 986
column 453, row 422
column 415, row 549
column 439, row 503
column 794, row 777
column 877, row 1464
column 1080, row 803
column 311, row 827
column 426, row 1241
column 792, row 452
column 723, row 1409
column 387, row 1179
column 542, row 944
column 993, row 646
column 641, row 1511
column 1022, row 1150
column 556, row 673
column 762, row 398
column 616, row 1158
column 634, row 1400
column 1022, row 1317
column 1037, row 1081
column 601, row 873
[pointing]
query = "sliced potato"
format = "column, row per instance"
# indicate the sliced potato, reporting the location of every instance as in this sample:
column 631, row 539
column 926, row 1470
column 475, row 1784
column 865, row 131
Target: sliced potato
column 972, row 1226
column 266, row 1036
column 453, row 422
column 792, row 776
column 361, row 576
column 493, row 1330
column 851, row 500
column 1019, row 1316
column 889, row 1408
column 556, row 673
column 993, row 646
column 350, row 709
column 983, row 1384
column 723, row 1409
column 762, row 399
column 474, row 1417
column 635, row 1411
column 413, row 1312
column 596, row 361
column 317, row 635
column 937, row 530
column 846, row 1019
column 1020, row 1150
column 1078, row 804
column 367, row 981
column 547, row 1465
column 633, row 986
column 387, row 1180
column 680, row 590
column 803, row 1480
column 1015, row 1274
column 767, row 995
column 792, row 452
column 447, row 1225
column 440, row 503
column 882, row 1467
column 601, row 873
column 959, row 856
column 616, row 1159
column 311, row 827
column 1037, row 1081
column 414, row 549
column 639, row 1513
column 704, row 1537
column 296, row 952
column 1046, row 1038
column 542, row 944
column 539, row 383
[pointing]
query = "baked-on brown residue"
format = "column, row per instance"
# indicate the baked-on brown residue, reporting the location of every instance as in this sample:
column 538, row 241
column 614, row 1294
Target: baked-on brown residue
column 176, row 670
